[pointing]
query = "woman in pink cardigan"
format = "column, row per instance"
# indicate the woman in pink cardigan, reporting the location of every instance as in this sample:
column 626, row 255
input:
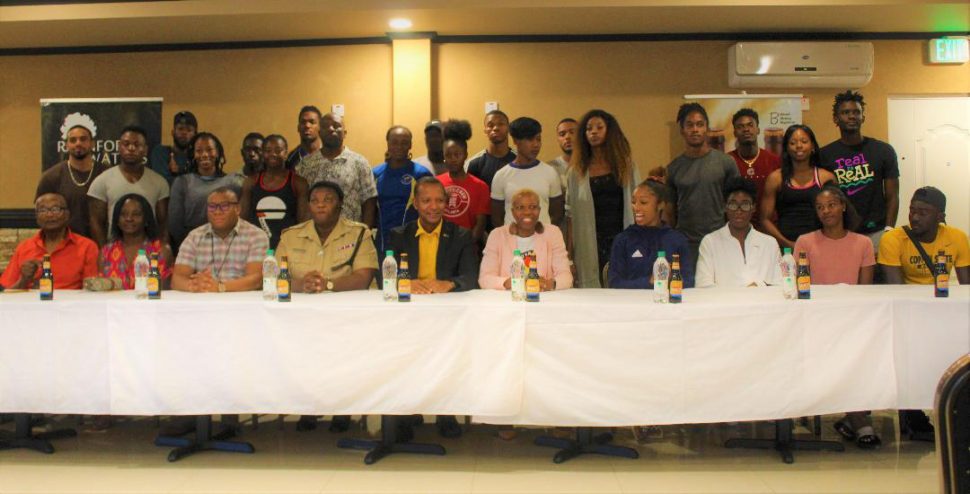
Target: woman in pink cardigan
column 527, row 234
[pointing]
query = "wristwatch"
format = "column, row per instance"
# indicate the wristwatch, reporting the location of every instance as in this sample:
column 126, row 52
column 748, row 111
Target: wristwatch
column 222, row 287
column 329, row 285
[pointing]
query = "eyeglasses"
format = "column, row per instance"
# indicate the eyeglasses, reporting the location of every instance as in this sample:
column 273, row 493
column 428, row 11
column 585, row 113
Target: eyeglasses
column 51, row 210
column 222, row 207
column 744, row 206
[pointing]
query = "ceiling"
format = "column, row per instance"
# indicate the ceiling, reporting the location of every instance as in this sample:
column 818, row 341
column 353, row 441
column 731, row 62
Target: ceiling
column 206, row 21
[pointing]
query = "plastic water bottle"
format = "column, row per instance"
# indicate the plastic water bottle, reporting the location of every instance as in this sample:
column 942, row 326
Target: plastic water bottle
column 141, row 275
column 788, row 275
column 661, row 275
column 389, row 273
column 517, row 274
column 271, row 270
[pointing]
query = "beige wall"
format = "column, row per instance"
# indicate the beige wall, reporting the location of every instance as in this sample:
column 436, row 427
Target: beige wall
column 235, row 91
column 643, row 83
column 232, row 92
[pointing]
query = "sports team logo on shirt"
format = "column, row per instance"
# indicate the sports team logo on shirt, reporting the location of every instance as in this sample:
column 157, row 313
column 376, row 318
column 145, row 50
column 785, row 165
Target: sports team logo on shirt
column 458, row 201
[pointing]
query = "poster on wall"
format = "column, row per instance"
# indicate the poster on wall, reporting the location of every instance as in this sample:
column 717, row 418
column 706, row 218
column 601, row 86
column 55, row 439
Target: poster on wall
column 104, row 117
column 775, row 113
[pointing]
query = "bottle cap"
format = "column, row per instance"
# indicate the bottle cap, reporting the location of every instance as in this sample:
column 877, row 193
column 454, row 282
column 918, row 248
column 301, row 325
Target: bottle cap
column 141, row 252
column 786, row 250
column 270, row 252
column 661, row 253
column 389, row 253
column 516, row 252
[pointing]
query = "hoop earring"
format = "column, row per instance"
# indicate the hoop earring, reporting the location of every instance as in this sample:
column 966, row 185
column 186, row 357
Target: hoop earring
column 410, row 155
column 144, row 160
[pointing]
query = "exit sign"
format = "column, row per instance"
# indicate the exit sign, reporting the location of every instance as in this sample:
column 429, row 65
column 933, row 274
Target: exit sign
column 949, row 50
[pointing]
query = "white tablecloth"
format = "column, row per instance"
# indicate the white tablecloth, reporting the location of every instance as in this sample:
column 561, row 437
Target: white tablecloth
column 347, row 353
column 612, row 357
column 579, row 357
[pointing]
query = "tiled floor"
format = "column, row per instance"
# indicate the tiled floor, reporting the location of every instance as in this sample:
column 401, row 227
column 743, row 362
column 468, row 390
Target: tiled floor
column 674, row 459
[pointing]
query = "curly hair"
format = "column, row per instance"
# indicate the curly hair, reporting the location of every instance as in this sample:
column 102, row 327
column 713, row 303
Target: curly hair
column 848, row 96
column 616, row 148
column 193, row 166
column 150, row 224
column 458, row 131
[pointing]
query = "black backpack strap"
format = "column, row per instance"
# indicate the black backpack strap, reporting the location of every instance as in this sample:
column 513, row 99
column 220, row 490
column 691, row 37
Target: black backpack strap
column 922, row 252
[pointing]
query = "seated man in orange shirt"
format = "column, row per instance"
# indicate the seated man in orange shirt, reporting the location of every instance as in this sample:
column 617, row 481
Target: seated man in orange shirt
column 73, row 257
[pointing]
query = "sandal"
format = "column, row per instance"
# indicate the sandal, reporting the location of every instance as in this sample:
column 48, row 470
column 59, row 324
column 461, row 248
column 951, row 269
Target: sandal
column 868, row 441
column 846, row 431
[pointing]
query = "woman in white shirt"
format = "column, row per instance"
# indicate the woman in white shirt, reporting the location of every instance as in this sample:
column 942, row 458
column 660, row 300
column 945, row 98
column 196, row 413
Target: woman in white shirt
column 736, row 254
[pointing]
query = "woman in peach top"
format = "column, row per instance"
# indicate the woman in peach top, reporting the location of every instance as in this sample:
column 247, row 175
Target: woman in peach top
column 528, row 235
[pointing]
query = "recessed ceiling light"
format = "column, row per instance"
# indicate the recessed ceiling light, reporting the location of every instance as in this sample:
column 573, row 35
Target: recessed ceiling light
column 400, row 23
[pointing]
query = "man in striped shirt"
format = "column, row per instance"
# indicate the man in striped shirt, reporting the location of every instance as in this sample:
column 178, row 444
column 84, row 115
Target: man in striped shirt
column 223, row 255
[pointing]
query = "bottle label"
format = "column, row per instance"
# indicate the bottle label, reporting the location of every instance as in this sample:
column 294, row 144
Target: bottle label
column 141, row 284
column 151, row 285
column 518, row 285
column 804, row 283
column 404, row 286
column 532, row 285
column 388, row 285
column 283, row 287
column 943, row 281
column 46, row 286
column 676, row 287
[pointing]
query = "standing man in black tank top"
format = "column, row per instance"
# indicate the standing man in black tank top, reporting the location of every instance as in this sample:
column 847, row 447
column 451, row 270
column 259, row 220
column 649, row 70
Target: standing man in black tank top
column 276, row 198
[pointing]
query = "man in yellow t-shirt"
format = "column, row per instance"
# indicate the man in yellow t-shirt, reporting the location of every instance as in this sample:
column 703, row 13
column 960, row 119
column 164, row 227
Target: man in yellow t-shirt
column 902, row 262
column 899, row 258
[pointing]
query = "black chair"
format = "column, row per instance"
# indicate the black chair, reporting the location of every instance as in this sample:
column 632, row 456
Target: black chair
column 389, row 443
column 784, row 442
column 953, row 427
column 585, row 443
column 204, row 440
column 24, row 438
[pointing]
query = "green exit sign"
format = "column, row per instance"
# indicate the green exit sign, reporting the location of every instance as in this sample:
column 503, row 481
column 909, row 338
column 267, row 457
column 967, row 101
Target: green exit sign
column 949, row 50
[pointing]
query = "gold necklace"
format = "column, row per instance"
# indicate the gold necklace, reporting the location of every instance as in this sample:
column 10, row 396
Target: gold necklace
column 70, row 171
column 750, row 162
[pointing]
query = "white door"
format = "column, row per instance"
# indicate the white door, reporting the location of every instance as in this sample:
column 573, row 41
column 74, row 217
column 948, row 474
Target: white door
column 932, row 138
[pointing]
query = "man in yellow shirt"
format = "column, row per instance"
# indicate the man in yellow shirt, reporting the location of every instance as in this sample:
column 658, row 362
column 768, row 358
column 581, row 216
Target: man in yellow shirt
column 444, row 256
column 441, row 251
column 902, row 262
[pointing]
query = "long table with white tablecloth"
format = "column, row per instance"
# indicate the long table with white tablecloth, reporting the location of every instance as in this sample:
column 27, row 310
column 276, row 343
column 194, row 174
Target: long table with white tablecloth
column 578, row 357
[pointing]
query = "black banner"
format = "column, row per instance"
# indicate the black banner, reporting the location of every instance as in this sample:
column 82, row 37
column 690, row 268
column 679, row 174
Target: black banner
column 103, row 117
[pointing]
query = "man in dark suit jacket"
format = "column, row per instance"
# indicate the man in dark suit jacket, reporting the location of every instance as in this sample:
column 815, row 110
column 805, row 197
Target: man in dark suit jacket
column 455, row 262
column 449, row 263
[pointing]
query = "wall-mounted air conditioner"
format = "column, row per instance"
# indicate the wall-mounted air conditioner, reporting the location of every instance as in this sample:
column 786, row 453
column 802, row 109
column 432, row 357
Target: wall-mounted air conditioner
column 800, row 64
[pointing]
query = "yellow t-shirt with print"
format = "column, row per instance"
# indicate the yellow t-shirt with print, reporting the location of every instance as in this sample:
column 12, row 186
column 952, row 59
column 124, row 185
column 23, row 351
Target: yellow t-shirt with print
column 896, row 249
